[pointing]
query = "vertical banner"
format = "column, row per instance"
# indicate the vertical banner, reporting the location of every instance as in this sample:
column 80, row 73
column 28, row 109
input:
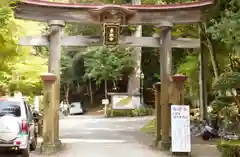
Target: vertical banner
column 181, row 135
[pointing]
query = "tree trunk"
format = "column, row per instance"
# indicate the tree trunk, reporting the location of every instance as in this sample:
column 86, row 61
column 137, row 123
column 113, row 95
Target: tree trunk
column 212, row 53
column 66, row 90
column 134, row 77
column 105, row 88
column 203, row 60
column 213, row 59
column 90, row 92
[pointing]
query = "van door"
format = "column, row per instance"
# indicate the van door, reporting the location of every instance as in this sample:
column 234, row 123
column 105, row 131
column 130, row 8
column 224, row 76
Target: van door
column 30, row 121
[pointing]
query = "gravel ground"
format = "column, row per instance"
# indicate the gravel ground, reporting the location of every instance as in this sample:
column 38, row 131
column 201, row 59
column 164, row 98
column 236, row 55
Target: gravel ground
column 90, row 136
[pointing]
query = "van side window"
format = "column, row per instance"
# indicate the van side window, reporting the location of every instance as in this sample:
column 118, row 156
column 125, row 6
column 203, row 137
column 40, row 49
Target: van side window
column 30, row 116
column 28, row 111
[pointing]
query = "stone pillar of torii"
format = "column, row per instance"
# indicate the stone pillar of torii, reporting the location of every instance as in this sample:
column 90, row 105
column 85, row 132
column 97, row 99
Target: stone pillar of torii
column 163, row 16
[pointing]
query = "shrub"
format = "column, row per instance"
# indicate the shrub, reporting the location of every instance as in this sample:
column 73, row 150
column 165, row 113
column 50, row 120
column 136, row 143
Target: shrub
column 129, row 113
column 229, row 148
column 142, row 112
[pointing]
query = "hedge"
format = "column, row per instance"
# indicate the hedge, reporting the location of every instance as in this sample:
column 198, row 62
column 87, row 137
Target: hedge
column 129, row 113
column 229, row 148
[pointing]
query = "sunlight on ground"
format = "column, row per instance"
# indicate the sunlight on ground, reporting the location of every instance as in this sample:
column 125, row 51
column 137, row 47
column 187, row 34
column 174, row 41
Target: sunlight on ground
column 73, row 140
column 150, row 127
column 110, row 129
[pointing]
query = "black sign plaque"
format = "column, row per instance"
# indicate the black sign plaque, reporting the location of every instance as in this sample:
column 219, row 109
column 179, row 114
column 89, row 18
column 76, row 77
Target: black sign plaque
column 111, row 34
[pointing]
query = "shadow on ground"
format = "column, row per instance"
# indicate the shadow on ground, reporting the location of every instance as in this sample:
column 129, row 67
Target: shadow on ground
column 9, row 154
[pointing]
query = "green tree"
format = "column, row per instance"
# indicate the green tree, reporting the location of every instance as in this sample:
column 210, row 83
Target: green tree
column 67, row 77
column 104, row 63
column 7, row 43
column 20, row 69
column 26, row 72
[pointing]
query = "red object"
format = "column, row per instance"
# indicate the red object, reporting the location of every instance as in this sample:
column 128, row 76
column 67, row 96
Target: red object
column 3, row 98
column 25, row 126
column 18, row 142
column 187, row 5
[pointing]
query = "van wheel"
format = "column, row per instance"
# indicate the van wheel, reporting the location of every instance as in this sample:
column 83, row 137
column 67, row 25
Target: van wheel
column 33, row 145
column 25, row 152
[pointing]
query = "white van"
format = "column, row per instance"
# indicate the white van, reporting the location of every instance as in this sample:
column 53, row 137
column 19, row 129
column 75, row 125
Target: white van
column 76, row 108
column 17, row 127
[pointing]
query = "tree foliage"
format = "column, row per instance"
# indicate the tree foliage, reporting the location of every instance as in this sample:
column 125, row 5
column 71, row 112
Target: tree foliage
column 66, row 69
column 26, row 74
column 20, row 70
column 227, row 81
column 104, row 63
column 221, row 39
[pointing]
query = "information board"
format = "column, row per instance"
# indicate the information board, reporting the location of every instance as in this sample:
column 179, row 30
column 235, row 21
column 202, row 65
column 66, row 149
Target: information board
column 124, row 102
column 181, row 135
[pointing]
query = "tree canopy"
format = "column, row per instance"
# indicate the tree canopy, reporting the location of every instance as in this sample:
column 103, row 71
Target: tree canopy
column 20, row 68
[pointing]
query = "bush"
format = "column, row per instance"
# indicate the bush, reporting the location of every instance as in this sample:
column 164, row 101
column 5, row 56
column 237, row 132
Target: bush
column 142, row 112
column 229, row 148
column 129, row 113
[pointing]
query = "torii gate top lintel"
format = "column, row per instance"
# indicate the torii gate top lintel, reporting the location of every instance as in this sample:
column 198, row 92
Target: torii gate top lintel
column 187, row 5
column 129, row 14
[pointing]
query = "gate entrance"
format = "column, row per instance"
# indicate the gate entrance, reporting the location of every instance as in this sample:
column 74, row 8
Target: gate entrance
column 111, row 17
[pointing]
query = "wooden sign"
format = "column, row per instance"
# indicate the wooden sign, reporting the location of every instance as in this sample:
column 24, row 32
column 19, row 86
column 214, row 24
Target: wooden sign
column 111, row 34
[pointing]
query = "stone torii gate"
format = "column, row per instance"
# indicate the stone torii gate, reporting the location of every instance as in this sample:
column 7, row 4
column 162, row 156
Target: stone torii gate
column 56, row 14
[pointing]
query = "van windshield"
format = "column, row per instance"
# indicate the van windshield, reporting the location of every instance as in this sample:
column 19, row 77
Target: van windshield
column 10, row 108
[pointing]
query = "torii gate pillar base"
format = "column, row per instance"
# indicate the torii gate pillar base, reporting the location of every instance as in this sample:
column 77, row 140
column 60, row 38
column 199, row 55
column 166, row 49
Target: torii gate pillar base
column 161, row 145
column 51, row 148
column 51, row 143
column 164, row 145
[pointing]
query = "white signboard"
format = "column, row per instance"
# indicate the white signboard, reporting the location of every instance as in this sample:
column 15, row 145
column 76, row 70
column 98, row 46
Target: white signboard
column 181, row 135
column 105, row 101
column 123, row 102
